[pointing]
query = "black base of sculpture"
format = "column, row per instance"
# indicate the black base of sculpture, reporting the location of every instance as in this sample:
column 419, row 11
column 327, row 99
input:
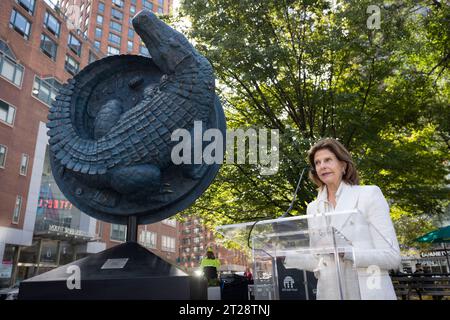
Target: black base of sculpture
column 107, row 275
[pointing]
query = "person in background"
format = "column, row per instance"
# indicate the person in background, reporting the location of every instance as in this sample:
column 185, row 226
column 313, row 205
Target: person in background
column 419, row 268
column 419, row 271
column 210, row 266
column 248, row 274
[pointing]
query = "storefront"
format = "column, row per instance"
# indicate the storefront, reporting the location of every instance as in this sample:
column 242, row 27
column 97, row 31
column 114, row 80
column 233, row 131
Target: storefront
column 432, row 261
column 62, row 234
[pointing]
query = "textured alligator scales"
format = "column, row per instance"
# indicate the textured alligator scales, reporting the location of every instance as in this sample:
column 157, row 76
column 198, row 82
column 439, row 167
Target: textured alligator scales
column 110, row 129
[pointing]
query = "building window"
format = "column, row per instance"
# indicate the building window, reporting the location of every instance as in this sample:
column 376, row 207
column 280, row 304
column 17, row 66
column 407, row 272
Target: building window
column 98, row 32
column 197, row 230
column 53, row 4
column 132, row 9
column 101, row 7
column 46, row 89
column 130, row 46
column 114, row 38
column 92, row 57
column 115, row 26
column 100, row 229
column 48, row 46
column 71, row 65
column 147, row 4
column 170, row 222
column 80, row 21
column 113, row 51
column 7, row 112
column 116, row 14
column 130, row 34
column 99, row 19
column 118, row 232
column 74, row 44
column 148, row 239
column 19, row 23
column 196, row 240
column 118, row 3
column 10, row 69
column 3, row 150
column 52, row 24
column 17, row 208
column 97, row 44
column 167, row 243
column 144, row 51
column 161, row 3
column 27, row 5
column 24, row 164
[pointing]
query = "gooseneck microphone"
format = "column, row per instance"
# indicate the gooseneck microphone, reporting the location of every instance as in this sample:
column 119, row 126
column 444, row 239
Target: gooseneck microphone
column 294, row 196
column 287, row 211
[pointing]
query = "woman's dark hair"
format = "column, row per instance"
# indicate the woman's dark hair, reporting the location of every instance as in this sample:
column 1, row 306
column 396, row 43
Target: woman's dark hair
column 210, row 255
column 341, row 153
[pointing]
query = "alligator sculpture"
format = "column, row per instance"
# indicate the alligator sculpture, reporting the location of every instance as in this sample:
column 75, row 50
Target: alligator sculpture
column 110, row 128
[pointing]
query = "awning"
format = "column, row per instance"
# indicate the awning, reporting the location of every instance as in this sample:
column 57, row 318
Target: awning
column 440, row 235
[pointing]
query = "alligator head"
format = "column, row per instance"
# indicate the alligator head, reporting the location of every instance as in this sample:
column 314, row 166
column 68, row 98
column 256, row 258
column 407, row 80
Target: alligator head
column 169, row 48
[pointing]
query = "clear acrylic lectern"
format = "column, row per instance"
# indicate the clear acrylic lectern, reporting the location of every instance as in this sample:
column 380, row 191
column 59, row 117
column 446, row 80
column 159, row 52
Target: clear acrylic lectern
column 304, row 257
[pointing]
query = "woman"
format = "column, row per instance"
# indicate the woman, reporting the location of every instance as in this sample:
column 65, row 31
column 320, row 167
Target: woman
column 364, row 271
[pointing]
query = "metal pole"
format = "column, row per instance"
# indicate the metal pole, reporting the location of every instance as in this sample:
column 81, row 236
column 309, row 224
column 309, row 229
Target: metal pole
column 58, row 253
column 38, row 259
column 338, row 264
column 15, row 269
column 305, row 282
column 132, row 229
column 446, row 256
column 276, row 294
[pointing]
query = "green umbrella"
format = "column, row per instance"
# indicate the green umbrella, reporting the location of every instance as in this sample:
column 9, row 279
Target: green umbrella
column 441, row 235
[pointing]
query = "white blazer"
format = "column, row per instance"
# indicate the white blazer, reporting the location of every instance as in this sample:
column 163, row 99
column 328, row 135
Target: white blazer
column 375, row 248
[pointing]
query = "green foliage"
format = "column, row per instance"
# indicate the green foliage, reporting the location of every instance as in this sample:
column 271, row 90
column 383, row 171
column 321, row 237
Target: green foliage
column 310, row 72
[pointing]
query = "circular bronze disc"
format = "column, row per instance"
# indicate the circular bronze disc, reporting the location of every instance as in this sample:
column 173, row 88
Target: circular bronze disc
column 108, row 79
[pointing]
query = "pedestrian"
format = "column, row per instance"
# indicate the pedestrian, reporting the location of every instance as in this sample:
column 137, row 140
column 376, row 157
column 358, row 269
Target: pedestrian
column 210, row 266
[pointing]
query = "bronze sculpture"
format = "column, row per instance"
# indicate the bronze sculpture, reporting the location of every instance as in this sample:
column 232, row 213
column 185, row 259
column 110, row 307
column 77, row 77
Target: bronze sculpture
column 110, row 128
column 110, row 151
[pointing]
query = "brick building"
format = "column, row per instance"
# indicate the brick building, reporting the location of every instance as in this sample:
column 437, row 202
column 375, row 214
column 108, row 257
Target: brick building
column 42, row 44
column 195, row 239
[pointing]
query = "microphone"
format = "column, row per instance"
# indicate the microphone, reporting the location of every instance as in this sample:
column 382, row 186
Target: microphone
column 287, row 211
column 295, row 192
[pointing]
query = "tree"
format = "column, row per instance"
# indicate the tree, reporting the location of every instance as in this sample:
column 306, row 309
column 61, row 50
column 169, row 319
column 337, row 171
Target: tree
column 312, row 70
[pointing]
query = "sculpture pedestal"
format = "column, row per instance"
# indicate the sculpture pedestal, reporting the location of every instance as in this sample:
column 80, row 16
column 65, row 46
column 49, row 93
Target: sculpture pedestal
column 126, row 272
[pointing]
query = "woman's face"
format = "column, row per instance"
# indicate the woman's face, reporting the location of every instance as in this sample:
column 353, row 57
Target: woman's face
column 329, row 168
